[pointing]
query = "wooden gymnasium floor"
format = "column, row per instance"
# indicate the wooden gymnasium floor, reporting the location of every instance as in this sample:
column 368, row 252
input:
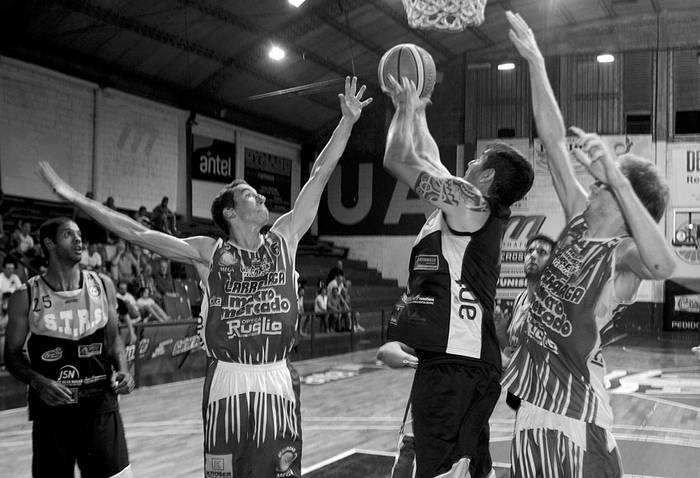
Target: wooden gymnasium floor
column 351, row 423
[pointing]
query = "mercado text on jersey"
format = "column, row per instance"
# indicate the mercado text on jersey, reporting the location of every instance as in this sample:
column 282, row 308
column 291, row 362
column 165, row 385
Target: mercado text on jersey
column 67, row 342
column 451, row 289
column 559, row 366
column 249, row 310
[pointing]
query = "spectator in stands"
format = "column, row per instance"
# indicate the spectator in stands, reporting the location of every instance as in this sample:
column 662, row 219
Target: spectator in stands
column 334, row 307
column 163, row 218
column 107, row 236
column 321, row 308
column 353, row 316
column 22, row 237
column 9, row 282
column 37, row 260
column 90, row 259
column 125, row 266
column 149, row 310
column 127, row 310
column 143, row 217
column 335, row 271
column 163, row 280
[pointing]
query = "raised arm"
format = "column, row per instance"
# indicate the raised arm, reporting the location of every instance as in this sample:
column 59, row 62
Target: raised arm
column 192, row 250
column 550, row 124
column 649, row 255
column 412, row 157
column 296, row 222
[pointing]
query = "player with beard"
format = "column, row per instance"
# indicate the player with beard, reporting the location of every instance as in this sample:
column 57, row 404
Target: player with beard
column 538, row 252
column 250, row 407
column 75, row 364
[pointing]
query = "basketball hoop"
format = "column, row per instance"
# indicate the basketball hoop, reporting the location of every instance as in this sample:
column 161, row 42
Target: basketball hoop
column 445, row 15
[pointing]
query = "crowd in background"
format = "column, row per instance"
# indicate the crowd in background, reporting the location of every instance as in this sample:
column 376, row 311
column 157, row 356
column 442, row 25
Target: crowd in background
column 143, row 280
column 332, row 304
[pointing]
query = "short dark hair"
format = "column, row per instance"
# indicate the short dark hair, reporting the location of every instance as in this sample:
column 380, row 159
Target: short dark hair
column 513, row 173
column 9, row 260
column 49, row 229
column 646, row 182
column 224, row 200
column 543, row 238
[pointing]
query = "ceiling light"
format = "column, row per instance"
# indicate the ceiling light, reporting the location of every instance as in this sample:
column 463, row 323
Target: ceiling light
column 276, row 53
column 296, row 3
column 605, row 58
column 506, row 66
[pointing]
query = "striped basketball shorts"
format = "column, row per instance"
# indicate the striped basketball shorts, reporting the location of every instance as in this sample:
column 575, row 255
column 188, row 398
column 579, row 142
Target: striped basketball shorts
column 548, row 445
column 252, row 420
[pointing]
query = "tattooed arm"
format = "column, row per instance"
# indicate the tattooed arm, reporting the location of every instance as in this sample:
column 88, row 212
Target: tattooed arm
column 413, row 158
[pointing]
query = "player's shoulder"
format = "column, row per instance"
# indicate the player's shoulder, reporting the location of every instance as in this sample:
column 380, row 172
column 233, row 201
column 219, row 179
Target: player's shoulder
column 204, row 245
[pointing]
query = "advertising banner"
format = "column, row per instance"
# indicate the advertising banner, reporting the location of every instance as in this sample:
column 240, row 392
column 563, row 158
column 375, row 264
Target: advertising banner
column 213, row 159
column 166, row 353
column 686, row 312
column 271, row 176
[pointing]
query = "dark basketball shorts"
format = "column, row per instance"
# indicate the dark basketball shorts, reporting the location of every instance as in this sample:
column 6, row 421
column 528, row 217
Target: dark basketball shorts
column 451, row 405
column 96, row 442
column 252, row 421
column 547, row 445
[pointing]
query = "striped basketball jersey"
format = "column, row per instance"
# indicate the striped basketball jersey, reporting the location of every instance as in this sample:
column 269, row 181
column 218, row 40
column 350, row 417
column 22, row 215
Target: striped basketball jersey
column 66, row 341
column 451, row 289
column 559, row 366
column 249, row 308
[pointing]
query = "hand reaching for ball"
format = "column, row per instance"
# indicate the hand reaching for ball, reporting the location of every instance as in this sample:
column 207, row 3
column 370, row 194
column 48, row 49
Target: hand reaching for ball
column 351, row 103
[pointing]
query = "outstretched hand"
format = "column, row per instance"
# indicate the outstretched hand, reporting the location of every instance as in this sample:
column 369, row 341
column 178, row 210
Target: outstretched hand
column 351, row 103
column 54, row 181
column 522, row 37
column 404, row 95
column 595, row 156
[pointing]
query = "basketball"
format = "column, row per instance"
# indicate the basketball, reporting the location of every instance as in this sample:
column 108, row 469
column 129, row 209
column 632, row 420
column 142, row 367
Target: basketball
column 411, row 61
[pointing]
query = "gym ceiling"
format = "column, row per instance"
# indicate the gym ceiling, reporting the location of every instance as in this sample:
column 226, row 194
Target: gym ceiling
column 211, row 56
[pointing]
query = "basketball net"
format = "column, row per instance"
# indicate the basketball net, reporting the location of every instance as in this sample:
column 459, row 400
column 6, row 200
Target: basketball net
column 446, row 15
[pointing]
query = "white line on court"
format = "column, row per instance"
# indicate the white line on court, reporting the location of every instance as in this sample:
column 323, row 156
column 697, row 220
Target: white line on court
column 665, row 402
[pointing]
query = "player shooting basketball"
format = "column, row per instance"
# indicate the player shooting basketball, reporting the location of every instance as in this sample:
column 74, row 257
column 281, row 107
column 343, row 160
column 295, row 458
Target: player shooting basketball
column 453, row 270
column 611, row 242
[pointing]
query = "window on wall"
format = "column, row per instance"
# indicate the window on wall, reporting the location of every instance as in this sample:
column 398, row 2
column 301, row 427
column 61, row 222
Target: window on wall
column 595, row 99
column 638, row 123
column 688, row 122
column 686, row 91
column 638, row 96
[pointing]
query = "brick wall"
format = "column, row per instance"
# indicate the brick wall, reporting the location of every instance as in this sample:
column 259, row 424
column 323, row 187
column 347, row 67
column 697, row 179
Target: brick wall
column 43, row 116
column 137, row 151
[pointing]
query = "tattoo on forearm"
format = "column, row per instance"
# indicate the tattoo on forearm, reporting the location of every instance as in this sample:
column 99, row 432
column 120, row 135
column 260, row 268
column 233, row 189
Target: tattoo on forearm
column 450, row 191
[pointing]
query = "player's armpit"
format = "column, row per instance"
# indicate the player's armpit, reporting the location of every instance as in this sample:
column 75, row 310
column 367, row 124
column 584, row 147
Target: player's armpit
column 450, row 192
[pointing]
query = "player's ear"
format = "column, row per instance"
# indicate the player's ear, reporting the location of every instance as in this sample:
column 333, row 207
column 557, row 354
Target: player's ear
column 487, row 175
column 229, row 213
column 48, row 244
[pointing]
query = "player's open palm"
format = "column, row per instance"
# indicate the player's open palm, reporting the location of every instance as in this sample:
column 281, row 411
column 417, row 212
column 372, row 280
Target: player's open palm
column 595, row 156
column 351, row 102
column 54, row 181
column 522, row 37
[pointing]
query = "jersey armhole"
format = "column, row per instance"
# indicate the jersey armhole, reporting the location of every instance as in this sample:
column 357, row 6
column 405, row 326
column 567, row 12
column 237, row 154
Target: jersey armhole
column 621, row 300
